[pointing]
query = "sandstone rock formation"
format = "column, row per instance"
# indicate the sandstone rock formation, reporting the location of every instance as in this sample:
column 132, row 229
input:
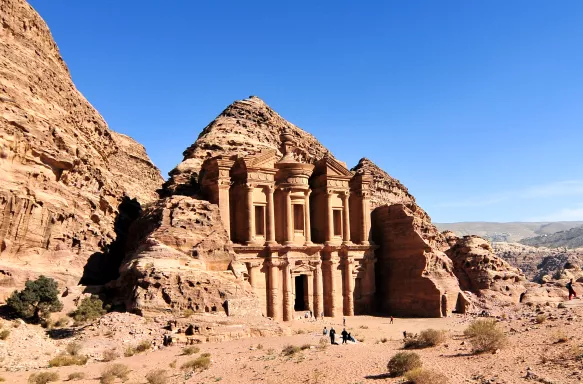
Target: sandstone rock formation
column 63, row 172
column 479, row 270
column 179, row 258
column 413, row 277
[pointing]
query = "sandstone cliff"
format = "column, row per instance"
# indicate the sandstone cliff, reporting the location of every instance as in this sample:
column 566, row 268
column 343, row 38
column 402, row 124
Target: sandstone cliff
column 413, row 277
column 63, row 172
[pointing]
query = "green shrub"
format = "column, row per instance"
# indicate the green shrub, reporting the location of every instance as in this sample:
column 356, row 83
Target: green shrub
column 109, row 374
column 485, row 336
column 4, row 334
column 290, row 350
column 426, row 338
column 424, row 376
column 540, row 319
column 190, row 350
column 158, row 376
column 37, row 300
column 403, row 362
column 43, row 377
column 89, row 309
column 199, row 364
column 76, row 376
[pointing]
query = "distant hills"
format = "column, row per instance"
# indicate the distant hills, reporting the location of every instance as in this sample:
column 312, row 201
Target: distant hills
column 571, row 238
column 515, row 231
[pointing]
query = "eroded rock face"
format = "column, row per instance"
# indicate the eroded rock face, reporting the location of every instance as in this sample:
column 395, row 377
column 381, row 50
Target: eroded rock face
column 243, row 128
column 180, row 257
column 386, row 190
column 63, row 172
column 480, row 271
column 414, row 278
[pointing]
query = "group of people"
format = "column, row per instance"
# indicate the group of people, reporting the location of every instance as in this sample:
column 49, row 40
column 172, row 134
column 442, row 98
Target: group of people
column 346, row 336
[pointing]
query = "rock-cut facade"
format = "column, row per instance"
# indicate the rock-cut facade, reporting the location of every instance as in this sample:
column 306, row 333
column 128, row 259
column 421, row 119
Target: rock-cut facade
column 301, row 230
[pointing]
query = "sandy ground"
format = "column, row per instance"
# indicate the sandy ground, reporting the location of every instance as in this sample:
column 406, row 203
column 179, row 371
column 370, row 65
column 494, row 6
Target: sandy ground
column 259, row 360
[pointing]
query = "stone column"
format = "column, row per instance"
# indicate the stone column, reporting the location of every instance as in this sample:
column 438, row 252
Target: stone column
column 224, row 207
column 288, row 310
column 348, row 288
column 346, row 217
column 289, row 229
column 330, row 229
column 270, row 217
column 365, row 219
column 333, row 294
column 253, row 271
column 250, row 215
column 307, row 224
column 318, row 288
column 272, row 294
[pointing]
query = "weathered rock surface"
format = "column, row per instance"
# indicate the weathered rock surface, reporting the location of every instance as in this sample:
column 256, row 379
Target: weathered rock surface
column 414, row 278
column 243, row 128
column 179, row 258
column 386, row 190
column 63, row 172
column 479, row 270
column 540, row 264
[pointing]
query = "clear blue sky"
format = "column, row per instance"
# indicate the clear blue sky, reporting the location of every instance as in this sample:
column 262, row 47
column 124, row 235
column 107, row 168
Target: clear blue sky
column 476, row 106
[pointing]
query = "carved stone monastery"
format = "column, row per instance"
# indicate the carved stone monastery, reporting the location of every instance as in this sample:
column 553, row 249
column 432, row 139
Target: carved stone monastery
column 301, row 229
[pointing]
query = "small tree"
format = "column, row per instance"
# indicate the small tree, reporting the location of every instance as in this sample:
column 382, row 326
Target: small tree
column 38, row 298
column 89, row 309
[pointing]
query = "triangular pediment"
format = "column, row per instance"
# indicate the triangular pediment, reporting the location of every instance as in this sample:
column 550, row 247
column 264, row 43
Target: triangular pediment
column 264, row 159
column 328, row 165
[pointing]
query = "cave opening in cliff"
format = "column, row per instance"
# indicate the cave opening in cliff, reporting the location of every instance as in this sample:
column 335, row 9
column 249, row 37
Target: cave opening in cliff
column 103, row 266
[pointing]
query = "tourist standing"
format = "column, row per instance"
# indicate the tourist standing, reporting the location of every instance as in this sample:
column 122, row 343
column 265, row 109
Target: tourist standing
column 344, row 336
column 325, row 331
column 571, row 290
column 344, row 321
column 391, row 320
column 332, row 335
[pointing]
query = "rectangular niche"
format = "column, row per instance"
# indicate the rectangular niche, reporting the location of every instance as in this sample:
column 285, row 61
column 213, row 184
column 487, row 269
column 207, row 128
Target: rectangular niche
column 298, row 218
column 337, row 221
column 259, row 220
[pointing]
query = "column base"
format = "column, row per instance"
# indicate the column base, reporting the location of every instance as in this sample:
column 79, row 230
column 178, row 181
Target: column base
column 271, row 243
column 288, row 243
column 308, row 243
column 348, row 242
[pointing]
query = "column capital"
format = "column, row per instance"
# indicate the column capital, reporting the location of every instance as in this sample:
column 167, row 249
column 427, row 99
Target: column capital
column 249, row 186
column 308, row 192
column 253, row 264
column 315, row 263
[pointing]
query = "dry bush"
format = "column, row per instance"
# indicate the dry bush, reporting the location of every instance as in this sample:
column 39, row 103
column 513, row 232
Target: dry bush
column 143, row 346
column 187, row 313
column 403, row 362
column 190, row 350
column 425, row 339
column 4, row 334
column 259, row 346
column 76, row 376
column 561, row 306
column 485, row 336
column 109, row 374
column 323, row 343
column 73, row 349
column 424, row 376
column 206, row 354
column 64, row 360
column 2, row 379
column 109, row 355
column 129, row 351
column 560, row 336
column 270, row 351
column 363, row 327
column 43, row 377
column 300, row 332
column 384, row 340
column 573, row 352
column 199, row 364
column 290, row 350
column 540, row 318
column 305, row 346
column 62, row 322
column 158, row 376
column 172, row 364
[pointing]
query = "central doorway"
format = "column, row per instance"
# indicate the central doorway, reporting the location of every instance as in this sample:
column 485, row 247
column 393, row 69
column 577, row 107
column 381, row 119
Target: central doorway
column 301, row 288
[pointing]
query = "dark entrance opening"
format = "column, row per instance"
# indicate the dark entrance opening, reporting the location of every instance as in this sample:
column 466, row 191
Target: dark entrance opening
column 300, row 303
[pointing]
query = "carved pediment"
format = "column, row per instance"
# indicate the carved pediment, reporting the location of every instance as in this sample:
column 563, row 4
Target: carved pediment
column 329, row 166
column 264, row 159
column 301, row 269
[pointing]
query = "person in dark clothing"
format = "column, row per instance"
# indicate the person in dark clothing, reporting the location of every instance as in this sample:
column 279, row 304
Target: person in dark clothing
column 344, row 336
column 571, row 290
column 332, row 335
column 350, row 338
column 391, row 320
